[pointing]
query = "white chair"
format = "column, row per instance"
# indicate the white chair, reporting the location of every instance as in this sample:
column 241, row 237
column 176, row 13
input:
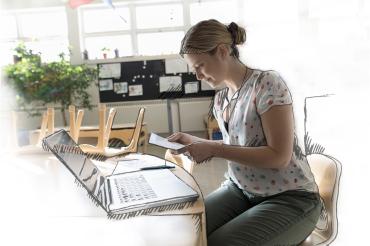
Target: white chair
column 327, row 171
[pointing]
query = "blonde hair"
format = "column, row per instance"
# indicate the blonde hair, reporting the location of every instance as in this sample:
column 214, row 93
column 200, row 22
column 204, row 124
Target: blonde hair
column 205, row 36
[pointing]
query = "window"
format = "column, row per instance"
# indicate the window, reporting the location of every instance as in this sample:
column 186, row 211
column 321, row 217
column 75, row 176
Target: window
column 159, row 43
column 154, row 27
column 108, row 20
column 94, row 45
column 158, row 16
column 42, row 30
column 224, row 11
column 43, row 24
column 8, row 27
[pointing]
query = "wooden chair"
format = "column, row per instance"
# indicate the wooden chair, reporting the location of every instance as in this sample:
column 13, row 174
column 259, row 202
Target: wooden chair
column 180, row 160
column 102, row 148
column 75, row 124
column 134, row 143
column 327, row 171
column 105, row 127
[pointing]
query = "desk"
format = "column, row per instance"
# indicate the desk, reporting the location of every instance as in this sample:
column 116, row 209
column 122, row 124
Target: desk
column 121, row 131
column 41, row 205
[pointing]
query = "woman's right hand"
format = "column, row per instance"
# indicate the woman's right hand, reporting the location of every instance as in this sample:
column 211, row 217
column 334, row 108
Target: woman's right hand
column 182, row 138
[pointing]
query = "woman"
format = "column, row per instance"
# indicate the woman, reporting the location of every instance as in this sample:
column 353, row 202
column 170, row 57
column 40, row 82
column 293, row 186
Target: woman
column 270, row 197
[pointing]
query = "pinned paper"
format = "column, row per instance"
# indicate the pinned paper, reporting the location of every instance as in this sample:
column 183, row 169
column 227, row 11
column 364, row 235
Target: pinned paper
column 169, row 82
column 120, row 87
column 175, row 66
column 112, row 70
column 106, row 85
column 191, row 87
column 135, row 90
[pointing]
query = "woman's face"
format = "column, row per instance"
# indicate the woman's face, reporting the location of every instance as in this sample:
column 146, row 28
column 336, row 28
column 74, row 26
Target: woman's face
column 210, row 68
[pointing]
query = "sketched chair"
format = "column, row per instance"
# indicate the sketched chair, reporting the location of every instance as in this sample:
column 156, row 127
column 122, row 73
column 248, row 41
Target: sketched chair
column 102, row 150
column 47, row 128
column 75, row 124
column 180, row 160
column 105, row 127
column 327, row 171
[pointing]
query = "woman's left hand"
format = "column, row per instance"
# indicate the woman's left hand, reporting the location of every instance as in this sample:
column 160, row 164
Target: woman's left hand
column 199, row 151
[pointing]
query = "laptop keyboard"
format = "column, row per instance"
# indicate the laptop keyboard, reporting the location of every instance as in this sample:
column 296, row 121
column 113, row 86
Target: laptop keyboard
column 133, row 188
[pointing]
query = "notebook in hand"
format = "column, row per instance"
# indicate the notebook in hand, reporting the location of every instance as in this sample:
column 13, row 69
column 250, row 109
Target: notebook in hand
column 122, row 195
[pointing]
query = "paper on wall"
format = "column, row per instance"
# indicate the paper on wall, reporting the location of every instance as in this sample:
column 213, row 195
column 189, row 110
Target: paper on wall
column 176, row 65
column 105, row 85
column 191, row 87
column 120, row 87
column 135, row 90
column 169, row 82
column 112, row 70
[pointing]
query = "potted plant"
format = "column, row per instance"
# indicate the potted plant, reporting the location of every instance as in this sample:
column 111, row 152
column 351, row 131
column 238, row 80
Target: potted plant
column 105, row 51
column 56, row 82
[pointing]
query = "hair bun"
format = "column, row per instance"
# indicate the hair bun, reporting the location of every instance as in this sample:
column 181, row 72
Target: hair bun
column 237, row 33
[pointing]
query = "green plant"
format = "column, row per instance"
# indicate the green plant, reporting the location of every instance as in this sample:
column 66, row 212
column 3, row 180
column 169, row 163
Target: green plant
column 55, row 82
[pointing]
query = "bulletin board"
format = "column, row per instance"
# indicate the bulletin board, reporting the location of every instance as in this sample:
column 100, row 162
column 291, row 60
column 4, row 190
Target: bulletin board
column 149, row 80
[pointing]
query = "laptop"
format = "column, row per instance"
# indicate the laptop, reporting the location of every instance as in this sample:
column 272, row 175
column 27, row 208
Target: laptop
column 126, row 194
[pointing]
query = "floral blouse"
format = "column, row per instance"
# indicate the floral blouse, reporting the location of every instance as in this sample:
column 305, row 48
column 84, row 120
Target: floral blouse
column 258, row 94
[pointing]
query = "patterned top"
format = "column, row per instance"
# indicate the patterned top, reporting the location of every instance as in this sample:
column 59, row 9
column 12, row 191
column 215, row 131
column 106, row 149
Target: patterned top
column 258, row 94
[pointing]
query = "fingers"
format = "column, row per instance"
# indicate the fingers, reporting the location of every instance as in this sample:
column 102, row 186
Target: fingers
column 174, row 137
column 182, row 150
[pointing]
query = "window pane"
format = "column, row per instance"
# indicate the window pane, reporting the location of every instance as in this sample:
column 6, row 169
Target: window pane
column 159, row 43
column 7, row 52
column 223, row 11
column 256, row 11
column 169, row 15
column 104, row 20
column 8, row 27
column 94, row 46
column 49, row 49
column 43, row 24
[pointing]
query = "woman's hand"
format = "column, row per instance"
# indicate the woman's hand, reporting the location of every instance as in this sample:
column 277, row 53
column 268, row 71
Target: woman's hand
column 201, row 151
column 182, row 138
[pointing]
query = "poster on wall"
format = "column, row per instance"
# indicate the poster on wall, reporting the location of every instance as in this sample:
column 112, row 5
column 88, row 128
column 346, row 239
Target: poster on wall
column 191, row 87
column 175, row 66
column 105, row 85
column 135, row 90
column 120, row 87
column 112, row 70
column 167, row 83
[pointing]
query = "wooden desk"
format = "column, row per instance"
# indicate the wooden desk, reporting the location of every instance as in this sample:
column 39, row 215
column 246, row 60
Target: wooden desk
column 121, row 131
column 41, row 205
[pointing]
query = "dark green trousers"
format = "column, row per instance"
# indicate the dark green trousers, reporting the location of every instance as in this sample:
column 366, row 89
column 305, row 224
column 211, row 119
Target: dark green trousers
column 235, row 218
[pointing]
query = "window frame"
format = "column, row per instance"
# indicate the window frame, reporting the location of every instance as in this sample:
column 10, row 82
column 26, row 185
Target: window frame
column 134, row 31
column 20, row 37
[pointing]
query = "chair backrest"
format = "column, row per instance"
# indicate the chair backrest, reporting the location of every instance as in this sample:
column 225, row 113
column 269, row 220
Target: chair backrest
column 75, row 124
column 105, row 125
column 327, row 171
column 181, row 160
column 133, row 145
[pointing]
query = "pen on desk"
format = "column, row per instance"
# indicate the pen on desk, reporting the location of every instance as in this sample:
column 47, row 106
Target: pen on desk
column 156, row 167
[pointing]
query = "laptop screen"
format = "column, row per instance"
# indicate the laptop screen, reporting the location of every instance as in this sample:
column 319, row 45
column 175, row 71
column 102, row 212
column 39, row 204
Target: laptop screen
column 68, row 152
